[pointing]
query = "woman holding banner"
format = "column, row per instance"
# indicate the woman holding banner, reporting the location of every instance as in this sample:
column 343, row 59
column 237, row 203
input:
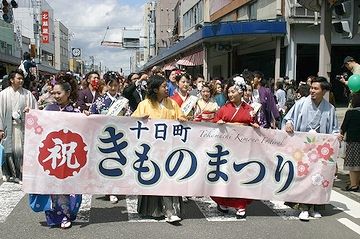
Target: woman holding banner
column 235, row 111
column 158, row 105
column 60, row 210
column 111, row 103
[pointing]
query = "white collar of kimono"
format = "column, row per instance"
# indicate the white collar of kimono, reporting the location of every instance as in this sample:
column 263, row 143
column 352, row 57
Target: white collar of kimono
column 113, row 98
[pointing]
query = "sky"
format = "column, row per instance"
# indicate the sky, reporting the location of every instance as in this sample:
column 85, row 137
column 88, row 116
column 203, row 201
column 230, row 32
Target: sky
column 87, row 21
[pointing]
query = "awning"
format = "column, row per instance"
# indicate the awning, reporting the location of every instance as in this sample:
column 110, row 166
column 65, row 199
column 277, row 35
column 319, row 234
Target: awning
column 195, row 59
column 46, row 69
column 217, row 32
column 169, row 67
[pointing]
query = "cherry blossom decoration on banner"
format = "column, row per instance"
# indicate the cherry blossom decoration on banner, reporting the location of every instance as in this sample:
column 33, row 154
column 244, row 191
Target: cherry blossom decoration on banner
column 32, row 123
column 312, row 152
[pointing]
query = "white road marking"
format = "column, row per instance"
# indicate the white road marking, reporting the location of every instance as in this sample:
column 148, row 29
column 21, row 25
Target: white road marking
column 10, row 196
column 84, row 212
column 283, row 211
column 345, row 204
column 353, row 226
column 208, row 208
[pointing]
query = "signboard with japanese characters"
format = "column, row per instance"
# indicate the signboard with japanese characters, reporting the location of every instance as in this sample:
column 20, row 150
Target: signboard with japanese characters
column 45, row 33
column 99, row 154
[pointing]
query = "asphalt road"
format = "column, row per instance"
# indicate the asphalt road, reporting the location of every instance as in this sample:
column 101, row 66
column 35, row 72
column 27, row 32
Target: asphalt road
column 99, row 218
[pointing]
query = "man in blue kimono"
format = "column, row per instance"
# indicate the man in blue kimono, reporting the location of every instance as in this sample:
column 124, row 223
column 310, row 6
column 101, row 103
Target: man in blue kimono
column 312, row 114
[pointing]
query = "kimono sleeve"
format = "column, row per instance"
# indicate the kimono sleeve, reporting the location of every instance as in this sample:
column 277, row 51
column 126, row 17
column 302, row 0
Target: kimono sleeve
column 219, row 115
column 177, row 109
column 334, row 125
column 271, row 104
column 93, row 108
column 33, row 102
column 140, row 110
column 289, row 117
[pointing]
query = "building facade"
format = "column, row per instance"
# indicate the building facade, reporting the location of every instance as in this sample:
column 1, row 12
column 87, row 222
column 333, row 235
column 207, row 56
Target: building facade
column 147, row 36
column 277, row 37
column 7, row 47
column 61, row 46
column 28, row 16
column 164, row 24
column 211, row 36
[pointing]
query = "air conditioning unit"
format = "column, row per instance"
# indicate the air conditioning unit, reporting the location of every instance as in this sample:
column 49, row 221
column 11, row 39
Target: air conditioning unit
column 223, row 47
column 49, row 57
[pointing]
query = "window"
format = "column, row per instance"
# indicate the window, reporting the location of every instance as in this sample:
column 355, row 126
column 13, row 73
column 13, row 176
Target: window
column 253, row 11
column 195, row 10
column 2, row 46
column 8, row 50
column 194, row 16
column 201, row 11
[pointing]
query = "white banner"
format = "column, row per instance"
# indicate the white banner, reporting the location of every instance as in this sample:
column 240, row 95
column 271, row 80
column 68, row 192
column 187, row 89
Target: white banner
column 98, row 154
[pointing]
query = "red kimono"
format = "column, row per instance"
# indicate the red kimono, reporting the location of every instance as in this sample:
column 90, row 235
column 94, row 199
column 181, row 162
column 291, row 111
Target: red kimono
column 177, row 98
column 229, row 114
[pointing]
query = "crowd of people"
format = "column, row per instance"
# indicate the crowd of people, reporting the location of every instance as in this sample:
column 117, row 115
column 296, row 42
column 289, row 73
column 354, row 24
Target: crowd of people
column 245, row 99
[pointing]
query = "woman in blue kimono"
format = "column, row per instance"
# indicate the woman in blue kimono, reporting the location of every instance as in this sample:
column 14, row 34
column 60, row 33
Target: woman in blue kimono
column 60, row 210
column 103, row 104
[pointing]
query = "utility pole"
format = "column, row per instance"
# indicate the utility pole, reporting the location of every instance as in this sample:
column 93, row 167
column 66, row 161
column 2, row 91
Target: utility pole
column 325, row 40
column 36, row 4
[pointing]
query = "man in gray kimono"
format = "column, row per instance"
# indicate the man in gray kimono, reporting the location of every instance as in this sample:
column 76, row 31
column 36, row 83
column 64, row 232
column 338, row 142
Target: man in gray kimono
column 312, row 114
column 15, row 101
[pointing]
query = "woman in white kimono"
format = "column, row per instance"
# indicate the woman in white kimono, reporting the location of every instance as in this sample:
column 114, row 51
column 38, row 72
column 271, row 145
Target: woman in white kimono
column 15, row 101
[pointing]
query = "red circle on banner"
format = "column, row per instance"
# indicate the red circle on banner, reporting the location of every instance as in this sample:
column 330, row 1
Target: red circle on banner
column 63, row 154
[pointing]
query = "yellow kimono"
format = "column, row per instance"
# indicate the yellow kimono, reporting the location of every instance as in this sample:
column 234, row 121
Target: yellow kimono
column 158, row 206
column 168, row 109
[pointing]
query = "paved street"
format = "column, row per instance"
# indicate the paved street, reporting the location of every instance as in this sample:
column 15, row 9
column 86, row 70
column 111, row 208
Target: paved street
column 98, row 218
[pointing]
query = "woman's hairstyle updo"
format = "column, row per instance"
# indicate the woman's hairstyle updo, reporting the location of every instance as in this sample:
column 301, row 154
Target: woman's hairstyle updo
column 239, row 86
column 211, row 89
column 67, row 81
column 154, row 83
column 112, row 76
column 184, row 74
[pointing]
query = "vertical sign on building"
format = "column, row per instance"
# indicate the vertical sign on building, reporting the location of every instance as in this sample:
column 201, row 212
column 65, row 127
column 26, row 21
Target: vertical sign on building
column 45, row 27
